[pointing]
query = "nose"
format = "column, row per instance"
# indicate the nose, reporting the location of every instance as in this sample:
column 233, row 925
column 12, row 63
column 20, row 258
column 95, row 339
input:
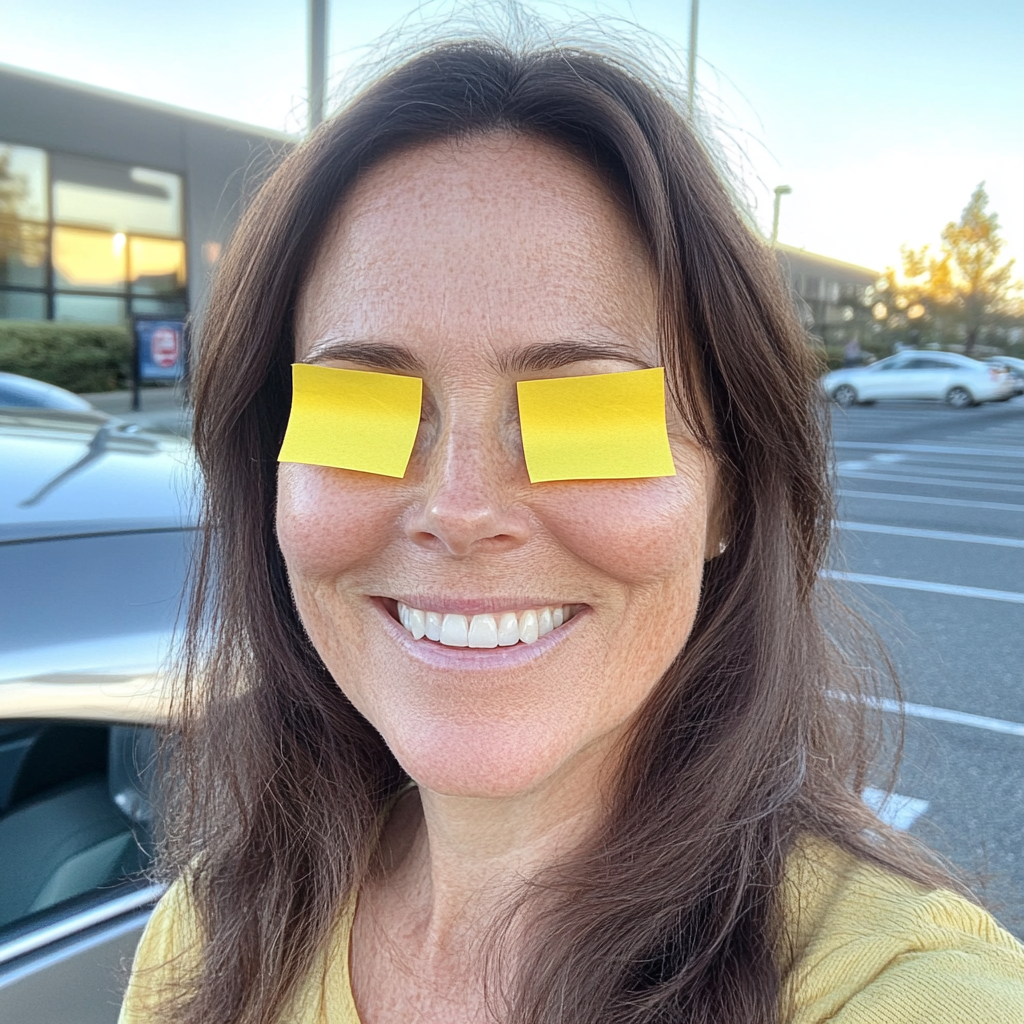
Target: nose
column 471, row 498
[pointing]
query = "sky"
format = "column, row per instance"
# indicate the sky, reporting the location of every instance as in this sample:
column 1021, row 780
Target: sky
column 882, row 115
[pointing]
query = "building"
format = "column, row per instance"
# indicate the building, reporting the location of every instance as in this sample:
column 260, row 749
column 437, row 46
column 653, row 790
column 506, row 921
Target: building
column 834, row 298
column 112, row 206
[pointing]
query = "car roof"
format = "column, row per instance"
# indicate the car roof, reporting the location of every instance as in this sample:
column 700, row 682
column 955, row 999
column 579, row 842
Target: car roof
column 948, row 357
column 17, row 391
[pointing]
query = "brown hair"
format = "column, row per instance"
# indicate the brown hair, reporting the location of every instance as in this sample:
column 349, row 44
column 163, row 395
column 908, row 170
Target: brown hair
column 672, row 912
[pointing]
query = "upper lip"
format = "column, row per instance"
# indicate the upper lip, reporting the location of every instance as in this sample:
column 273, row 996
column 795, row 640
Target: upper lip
column 475, row 605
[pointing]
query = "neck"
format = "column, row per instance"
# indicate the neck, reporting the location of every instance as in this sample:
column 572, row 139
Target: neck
column 460, row 861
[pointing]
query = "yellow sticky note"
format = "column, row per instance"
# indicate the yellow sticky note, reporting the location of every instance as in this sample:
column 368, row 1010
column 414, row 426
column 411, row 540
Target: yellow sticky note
column 607, row 426
column 352, row 419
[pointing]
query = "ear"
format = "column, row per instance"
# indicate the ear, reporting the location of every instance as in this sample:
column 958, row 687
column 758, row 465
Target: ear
column 717, row 534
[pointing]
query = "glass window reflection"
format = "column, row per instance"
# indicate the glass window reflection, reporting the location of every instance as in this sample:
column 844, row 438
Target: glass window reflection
column 174, row 309
column 115, row 196
column 157, row 266
column 22, row 306
column 89, row 309
column 22, row 254
column 89, row 259
column 23, row 183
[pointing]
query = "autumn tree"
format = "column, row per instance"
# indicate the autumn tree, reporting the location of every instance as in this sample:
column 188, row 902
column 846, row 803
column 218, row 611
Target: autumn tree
column 963, row 286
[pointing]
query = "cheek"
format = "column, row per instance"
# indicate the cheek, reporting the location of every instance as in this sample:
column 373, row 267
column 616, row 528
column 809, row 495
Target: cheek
column 331, row 519
column 637, row 531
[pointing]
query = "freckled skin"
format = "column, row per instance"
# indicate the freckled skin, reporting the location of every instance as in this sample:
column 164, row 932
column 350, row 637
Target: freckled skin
column 462, row 253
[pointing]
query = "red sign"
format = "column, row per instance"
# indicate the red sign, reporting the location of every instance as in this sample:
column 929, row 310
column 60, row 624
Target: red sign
column 164, row 347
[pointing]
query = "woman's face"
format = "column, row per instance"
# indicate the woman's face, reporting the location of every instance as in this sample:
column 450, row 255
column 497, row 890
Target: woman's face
column 474, row 265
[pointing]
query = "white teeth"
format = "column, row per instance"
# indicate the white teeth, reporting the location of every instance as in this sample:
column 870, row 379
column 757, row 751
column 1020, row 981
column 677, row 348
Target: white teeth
column 417, row 623
column 483, row 631
column 528, row 627
column 455, row 631
column 544, row 623
column 508, row 630
column 433, row 625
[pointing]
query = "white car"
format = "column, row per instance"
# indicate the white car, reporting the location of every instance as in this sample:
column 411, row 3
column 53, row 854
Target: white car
column 937, row 376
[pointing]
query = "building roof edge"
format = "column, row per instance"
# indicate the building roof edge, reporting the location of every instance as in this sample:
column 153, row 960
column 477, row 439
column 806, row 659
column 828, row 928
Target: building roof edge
column 791, row 250
column 147, row 104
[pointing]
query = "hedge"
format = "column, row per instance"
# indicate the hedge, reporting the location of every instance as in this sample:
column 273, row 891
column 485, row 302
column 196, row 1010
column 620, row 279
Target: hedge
column 79, row 357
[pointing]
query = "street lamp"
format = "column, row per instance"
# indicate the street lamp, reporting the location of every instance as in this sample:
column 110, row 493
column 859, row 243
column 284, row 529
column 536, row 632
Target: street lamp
column 691, row 61
column 317, row 60
column 780, row 191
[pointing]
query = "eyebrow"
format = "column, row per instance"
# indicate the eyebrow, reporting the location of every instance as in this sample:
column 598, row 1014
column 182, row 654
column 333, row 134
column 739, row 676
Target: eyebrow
column 544, row 356
column 380, row 354
column 553, row 354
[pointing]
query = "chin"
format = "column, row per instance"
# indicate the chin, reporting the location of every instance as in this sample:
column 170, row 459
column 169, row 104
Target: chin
column 483, row 760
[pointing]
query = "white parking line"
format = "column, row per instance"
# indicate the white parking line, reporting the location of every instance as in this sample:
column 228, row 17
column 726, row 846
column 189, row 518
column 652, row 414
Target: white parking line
column 940, row 467
column 921, row 499
column 909, row 531
column 1010, row 451
column 893, row 808
column 934, row 588
column 974, row 485
column 1000, row 725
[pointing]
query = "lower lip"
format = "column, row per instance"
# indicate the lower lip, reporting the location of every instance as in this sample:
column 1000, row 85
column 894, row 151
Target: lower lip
column 490, row 659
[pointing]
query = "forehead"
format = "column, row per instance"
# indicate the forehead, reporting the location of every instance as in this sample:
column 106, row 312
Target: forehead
column 505, row 239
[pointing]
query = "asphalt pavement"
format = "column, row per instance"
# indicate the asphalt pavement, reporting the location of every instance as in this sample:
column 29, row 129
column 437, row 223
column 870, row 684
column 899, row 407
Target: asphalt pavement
column 931, row 544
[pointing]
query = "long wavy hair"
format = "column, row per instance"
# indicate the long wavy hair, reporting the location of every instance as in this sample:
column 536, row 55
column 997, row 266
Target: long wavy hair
column 671, row 910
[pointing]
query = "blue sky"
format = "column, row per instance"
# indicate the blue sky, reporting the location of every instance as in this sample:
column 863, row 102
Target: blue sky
column 881, row 114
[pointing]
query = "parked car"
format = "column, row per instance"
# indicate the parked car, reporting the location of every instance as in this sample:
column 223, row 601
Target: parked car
column 26, row 393
column 936, row 376
column 1016, row 368
column 96, row 528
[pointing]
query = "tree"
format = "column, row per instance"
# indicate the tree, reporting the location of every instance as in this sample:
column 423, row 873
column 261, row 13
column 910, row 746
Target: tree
column 963, row 287
column 20, row 242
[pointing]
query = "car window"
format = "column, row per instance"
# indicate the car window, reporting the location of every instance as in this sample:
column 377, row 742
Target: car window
column 891, row 364
column 75, row 814
column 928, row 364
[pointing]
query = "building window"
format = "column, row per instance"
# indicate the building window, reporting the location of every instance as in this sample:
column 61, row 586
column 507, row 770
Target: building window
column 88, row 240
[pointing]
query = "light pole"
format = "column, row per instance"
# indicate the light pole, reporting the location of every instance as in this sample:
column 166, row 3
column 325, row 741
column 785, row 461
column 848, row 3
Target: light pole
column 691, row 61
column 780, row 191
column 317, row 68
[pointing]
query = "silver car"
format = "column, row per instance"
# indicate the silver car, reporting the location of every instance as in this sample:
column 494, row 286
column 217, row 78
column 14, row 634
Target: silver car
column 95, row 537
column 936, row 376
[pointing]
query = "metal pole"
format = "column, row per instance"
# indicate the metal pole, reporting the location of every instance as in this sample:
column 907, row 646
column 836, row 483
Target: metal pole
column 691, row 61
column 317, row 60
column 780, row 191
column 136, row 368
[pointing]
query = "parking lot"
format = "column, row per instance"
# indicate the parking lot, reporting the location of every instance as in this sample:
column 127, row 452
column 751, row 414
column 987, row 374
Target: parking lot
column 931, row 542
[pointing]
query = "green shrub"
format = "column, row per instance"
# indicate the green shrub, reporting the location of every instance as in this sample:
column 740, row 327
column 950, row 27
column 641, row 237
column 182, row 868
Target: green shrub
column 79, row 357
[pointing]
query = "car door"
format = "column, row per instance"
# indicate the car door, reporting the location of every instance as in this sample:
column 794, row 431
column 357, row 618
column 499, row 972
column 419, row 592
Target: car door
column 74, row 845
column 886, row 379
column 928, row 377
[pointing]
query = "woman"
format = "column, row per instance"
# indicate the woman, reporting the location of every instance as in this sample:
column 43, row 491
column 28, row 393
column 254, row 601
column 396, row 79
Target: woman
column 398, row 801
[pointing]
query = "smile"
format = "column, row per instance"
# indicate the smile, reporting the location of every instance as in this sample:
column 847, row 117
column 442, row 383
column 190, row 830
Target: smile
column 503, row 629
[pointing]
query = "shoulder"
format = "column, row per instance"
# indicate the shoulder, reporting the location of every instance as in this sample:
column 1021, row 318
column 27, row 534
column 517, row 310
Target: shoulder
column 166, row 954
column 866, row 946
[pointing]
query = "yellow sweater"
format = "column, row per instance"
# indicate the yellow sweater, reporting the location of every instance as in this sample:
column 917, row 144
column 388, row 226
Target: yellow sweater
column 866, row 947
